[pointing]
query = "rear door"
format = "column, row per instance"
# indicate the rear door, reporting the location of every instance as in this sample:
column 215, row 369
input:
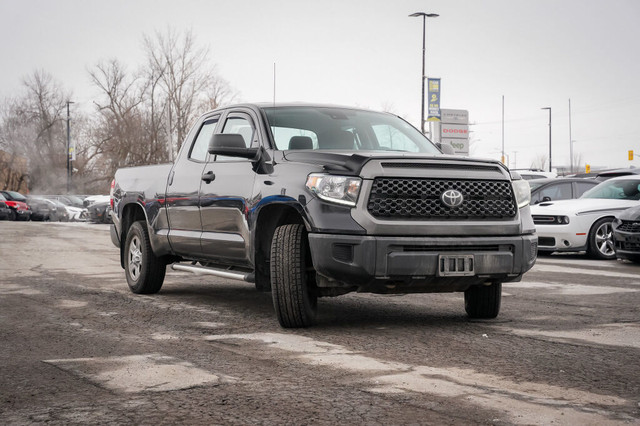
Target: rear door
column 182, row 198
column 226, row 195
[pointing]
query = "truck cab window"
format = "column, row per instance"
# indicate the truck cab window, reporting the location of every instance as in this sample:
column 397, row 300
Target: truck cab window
column 242, row 126
column 200, row 148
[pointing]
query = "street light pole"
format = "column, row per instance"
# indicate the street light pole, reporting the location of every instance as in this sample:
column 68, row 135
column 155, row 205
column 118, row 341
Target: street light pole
column 549, row 108
column 424, row 48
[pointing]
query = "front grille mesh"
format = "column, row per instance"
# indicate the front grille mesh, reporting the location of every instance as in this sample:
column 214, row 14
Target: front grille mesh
column 629, row 226
column 412, row 198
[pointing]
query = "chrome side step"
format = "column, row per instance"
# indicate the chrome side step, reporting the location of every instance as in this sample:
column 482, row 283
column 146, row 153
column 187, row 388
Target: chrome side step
column 241, row 276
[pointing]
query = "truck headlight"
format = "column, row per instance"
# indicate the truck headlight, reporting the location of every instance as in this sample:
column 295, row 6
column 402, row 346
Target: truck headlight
column 336, row 189
column 522, row 191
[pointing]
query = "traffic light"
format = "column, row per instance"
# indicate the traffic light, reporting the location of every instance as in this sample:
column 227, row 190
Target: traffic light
column 587, row 168
column 630, row 154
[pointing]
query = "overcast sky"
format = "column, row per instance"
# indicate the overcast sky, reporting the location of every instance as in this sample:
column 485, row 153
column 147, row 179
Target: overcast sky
column 368, row 53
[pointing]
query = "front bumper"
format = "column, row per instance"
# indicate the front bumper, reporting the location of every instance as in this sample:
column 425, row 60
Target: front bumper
column 411, row 264
column 627, row 245
column 561, row 238
column 23, row 214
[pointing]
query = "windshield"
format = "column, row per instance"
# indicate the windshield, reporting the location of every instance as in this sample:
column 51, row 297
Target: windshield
column 536, row 184
column 325, row 128
column 627, row 189
column 16, row 196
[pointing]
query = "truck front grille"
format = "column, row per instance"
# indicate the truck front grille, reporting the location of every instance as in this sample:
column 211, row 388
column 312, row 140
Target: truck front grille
column 421, row 199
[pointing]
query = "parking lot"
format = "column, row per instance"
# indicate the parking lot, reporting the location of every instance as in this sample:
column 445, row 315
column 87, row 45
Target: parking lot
column 78, row 347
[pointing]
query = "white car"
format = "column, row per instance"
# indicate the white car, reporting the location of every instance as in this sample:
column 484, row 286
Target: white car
column 584, row 224
column 76, row 213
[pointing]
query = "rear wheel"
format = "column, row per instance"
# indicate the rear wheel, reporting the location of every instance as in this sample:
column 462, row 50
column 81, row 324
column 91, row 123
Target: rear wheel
column 144, row 270
column 13, row 215
column 601, row 240
column 483, row 301
column 294, row 294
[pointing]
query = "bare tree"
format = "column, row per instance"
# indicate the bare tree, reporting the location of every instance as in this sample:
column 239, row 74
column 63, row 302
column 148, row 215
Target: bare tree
column 33, row 127
column 187, row 79
column 539, row 161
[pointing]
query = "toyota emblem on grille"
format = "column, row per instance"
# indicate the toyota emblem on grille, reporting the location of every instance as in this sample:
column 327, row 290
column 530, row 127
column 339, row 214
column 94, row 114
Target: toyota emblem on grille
column 451, row 198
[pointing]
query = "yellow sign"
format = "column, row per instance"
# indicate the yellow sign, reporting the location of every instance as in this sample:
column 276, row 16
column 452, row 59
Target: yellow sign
column 630, row 154
column 587, row 168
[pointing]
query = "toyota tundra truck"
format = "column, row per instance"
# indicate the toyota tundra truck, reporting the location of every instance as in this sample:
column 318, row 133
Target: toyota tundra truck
column 311, row 201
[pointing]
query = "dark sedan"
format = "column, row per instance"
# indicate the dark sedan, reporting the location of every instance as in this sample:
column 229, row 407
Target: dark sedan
column 626, row 234
column 99, row 212
column 5, row 211
column 40, row 208
column 559, row 188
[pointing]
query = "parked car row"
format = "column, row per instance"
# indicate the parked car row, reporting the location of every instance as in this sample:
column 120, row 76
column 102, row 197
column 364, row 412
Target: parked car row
column 55, row 208
column 604, row 221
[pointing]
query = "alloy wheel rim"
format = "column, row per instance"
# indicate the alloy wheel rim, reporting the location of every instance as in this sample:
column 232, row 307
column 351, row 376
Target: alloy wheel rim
column 604, row 239
column 135, row 258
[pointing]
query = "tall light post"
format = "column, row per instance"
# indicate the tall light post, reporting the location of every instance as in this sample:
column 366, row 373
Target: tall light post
column 69, row 166
column 424, row 44
column 549, row 108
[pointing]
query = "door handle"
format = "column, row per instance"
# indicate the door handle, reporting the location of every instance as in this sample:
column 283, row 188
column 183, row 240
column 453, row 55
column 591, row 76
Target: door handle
column 208, row 177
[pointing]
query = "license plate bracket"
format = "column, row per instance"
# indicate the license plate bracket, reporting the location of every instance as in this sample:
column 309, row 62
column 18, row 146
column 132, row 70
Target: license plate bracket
column 456, row 265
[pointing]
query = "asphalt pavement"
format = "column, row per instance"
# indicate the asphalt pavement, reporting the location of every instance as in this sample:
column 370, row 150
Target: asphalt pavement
column 77, row 347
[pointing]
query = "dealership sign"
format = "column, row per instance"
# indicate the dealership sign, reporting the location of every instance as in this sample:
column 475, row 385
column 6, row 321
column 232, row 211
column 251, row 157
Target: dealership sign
column 455, row 131
column 460, row 146
column 455, row 116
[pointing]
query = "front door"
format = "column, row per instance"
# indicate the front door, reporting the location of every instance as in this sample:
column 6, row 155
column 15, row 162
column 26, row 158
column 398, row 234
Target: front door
column 225, row 197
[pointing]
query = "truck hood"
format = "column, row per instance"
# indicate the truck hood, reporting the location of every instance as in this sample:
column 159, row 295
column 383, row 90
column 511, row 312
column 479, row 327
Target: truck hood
column 582, row 206
column 352, row 163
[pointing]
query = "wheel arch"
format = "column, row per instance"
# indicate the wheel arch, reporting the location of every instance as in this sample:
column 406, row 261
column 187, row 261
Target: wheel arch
column 269, row 218
column 131, row 213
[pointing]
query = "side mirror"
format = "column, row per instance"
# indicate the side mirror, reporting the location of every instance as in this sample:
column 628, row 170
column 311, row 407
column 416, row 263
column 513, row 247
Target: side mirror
column 231, row 145
column 545, row 199
column 446, row 148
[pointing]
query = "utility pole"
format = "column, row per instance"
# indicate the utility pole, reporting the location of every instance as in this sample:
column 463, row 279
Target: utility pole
column 503, row 130
column 69, row 165
column 570, row 140
column 549, row 108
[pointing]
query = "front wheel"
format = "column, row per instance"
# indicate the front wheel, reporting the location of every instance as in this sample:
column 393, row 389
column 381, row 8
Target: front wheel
column 483, row 301
column 294, row 296
column 601, row 240
column 144, row 270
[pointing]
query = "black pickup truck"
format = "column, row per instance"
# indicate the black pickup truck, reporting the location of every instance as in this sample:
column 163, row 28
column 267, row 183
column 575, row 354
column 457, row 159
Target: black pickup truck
column 310, row 201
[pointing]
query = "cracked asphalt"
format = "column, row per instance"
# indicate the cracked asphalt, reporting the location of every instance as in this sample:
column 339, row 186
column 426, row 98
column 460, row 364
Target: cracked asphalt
column 76, row 347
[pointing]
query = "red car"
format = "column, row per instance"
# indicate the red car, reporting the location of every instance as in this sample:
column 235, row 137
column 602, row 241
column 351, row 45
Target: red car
column 17, row 203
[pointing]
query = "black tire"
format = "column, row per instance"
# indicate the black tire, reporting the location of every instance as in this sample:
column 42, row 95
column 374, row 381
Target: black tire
column 601, row 244
column 294, row 295
column 483, row 301
column 13, row 215
column 145, row 272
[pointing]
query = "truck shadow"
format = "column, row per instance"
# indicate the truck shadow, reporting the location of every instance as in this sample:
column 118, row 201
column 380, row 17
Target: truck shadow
column 348, row 311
